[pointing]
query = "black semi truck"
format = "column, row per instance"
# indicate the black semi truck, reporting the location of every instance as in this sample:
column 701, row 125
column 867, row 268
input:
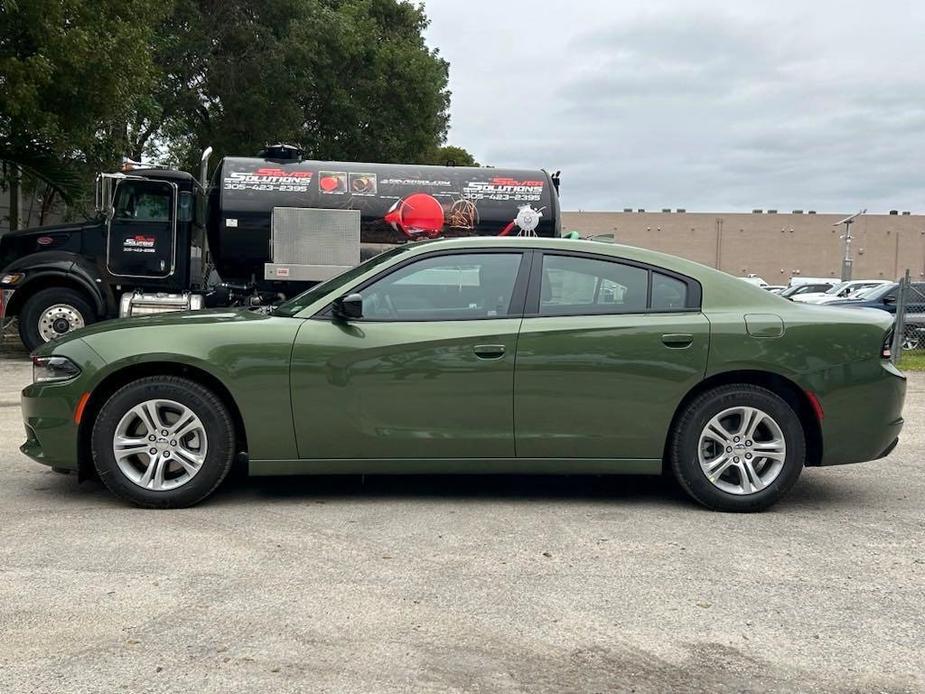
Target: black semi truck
column 263, row 229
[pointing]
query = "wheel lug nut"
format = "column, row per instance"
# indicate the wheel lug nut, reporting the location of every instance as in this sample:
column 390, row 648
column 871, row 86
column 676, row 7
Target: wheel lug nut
column 166, row 454
column 153, row 451
column 736, row 459
column 736, row 439
column 164, row 432
column 152, row 437
column 748, row 456
column 748, row 443
column 173, row 443
column 728, row 449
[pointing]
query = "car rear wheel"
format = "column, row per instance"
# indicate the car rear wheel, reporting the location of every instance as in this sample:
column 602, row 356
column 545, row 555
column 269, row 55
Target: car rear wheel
column 737, row 448
column 52, row 313
column 163, row 442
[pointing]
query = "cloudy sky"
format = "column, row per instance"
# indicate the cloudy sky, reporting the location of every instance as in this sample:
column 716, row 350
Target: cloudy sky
column 707, row 105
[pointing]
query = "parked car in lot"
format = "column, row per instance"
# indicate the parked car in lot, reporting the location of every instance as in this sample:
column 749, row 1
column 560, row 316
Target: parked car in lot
column 842, row 290
column 795, row 290
column 755, row 280
column 477, row 355
column 884, row 298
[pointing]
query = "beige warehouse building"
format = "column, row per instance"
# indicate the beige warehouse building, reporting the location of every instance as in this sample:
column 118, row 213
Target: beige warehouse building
column 773, row 246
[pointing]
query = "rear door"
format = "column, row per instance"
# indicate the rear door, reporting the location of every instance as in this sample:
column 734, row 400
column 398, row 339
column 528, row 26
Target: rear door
column 606, row 352
column 142, row 229
column 427, row 372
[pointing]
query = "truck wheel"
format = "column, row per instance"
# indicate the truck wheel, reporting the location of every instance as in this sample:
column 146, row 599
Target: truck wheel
column 51, row 313
column 163, row 442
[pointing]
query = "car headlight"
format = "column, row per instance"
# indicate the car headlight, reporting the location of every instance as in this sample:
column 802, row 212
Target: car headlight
column 11, row 279
column 51, row 369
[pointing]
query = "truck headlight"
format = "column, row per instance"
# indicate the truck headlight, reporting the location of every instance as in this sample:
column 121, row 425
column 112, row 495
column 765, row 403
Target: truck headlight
column 11, row 279
column 51, row 369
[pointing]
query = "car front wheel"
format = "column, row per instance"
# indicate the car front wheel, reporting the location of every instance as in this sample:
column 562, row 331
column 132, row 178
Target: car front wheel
column 163, row 442
column 737, row 448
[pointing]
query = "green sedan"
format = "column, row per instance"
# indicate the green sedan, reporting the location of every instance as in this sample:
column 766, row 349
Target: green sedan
column 477, row 356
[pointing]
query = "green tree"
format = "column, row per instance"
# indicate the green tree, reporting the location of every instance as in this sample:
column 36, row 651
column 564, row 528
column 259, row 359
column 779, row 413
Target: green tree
column 71, row 72
column 450, row 154
column 346, row 79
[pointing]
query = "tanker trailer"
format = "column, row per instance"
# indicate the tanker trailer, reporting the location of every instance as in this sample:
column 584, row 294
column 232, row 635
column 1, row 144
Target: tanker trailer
column 279, row 218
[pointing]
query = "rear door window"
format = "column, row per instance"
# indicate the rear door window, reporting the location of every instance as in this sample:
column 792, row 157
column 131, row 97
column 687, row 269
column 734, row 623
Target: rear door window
column 668, row 293
column 576, row 286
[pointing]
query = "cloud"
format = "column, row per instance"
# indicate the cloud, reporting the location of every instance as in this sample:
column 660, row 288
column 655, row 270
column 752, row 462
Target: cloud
column 693, row 105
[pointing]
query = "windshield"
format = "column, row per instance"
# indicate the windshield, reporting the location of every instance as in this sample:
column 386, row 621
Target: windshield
column 863, row 292
column 877, row 292
column 297, row 303
column 799, row 289
column 837, row 288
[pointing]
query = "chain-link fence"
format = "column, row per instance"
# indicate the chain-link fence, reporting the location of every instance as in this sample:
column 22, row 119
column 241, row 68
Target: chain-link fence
column 909, row 329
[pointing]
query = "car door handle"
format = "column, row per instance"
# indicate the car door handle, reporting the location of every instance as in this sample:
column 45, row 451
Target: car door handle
column 489, row 351
column 677, row 340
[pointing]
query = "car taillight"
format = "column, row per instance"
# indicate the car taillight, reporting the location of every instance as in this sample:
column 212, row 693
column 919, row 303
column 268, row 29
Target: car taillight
column 886, row 350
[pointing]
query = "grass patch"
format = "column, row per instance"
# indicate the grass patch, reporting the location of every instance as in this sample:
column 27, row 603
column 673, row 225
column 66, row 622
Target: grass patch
column 912, row 361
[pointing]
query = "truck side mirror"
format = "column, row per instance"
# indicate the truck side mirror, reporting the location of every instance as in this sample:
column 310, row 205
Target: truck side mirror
column 348, row 307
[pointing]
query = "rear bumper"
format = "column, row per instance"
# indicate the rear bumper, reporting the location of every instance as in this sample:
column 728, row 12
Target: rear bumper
column 863, row 417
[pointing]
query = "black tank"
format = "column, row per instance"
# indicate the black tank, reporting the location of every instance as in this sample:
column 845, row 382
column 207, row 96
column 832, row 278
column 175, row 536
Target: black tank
column 397, row 202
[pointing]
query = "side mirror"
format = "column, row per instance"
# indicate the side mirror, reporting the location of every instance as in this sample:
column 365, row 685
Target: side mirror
column 348, row 307
column 889, row 300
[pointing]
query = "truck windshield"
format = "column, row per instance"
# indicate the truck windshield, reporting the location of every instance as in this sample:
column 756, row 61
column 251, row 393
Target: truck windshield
column 308, row 297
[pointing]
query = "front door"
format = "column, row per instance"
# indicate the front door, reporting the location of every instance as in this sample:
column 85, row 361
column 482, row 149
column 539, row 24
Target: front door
column 427, row 372
column 606, row 352
column 142, row 229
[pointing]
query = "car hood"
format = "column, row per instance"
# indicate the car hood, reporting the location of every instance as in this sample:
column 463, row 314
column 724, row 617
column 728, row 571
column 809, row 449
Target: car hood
column 206, row 317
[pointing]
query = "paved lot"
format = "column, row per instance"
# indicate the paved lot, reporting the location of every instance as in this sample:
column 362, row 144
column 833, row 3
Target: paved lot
column 450, row 584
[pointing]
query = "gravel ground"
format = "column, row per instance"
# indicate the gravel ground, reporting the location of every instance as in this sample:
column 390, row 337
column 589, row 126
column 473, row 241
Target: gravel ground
column 461, row 584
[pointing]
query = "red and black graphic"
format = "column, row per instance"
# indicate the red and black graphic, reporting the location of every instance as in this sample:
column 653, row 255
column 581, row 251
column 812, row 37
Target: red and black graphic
column 139, row 243
column 363, row 184
column 417, row 215
column 269, row 178
column 332, row 182
column 505, row 188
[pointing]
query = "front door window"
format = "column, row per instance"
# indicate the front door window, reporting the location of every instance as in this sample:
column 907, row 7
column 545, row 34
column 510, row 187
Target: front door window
column 446, row 287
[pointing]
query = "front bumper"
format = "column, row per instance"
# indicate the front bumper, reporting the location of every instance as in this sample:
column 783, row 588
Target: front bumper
column 48, row 411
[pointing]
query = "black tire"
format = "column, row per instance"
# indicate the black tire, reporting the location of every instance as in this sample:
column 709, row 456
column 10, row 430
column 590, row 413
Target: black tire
column 685, row 440
column 38, row 303
column 216, row 421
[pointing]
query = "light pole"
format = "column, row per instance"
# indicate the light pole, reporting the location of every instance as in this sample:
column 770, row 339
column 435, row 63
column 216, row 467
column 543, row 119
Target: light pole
column 847, row 262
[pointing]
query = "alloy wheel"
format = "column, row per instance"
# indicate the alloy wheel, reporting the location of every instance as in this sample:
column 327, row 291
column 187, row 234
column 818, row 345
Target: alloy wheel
column 160, row 444
column 742, row 450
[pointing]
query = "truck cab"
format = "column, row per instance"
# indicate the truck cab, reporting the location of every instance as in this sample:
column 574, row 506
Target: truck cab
column 145, row 242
